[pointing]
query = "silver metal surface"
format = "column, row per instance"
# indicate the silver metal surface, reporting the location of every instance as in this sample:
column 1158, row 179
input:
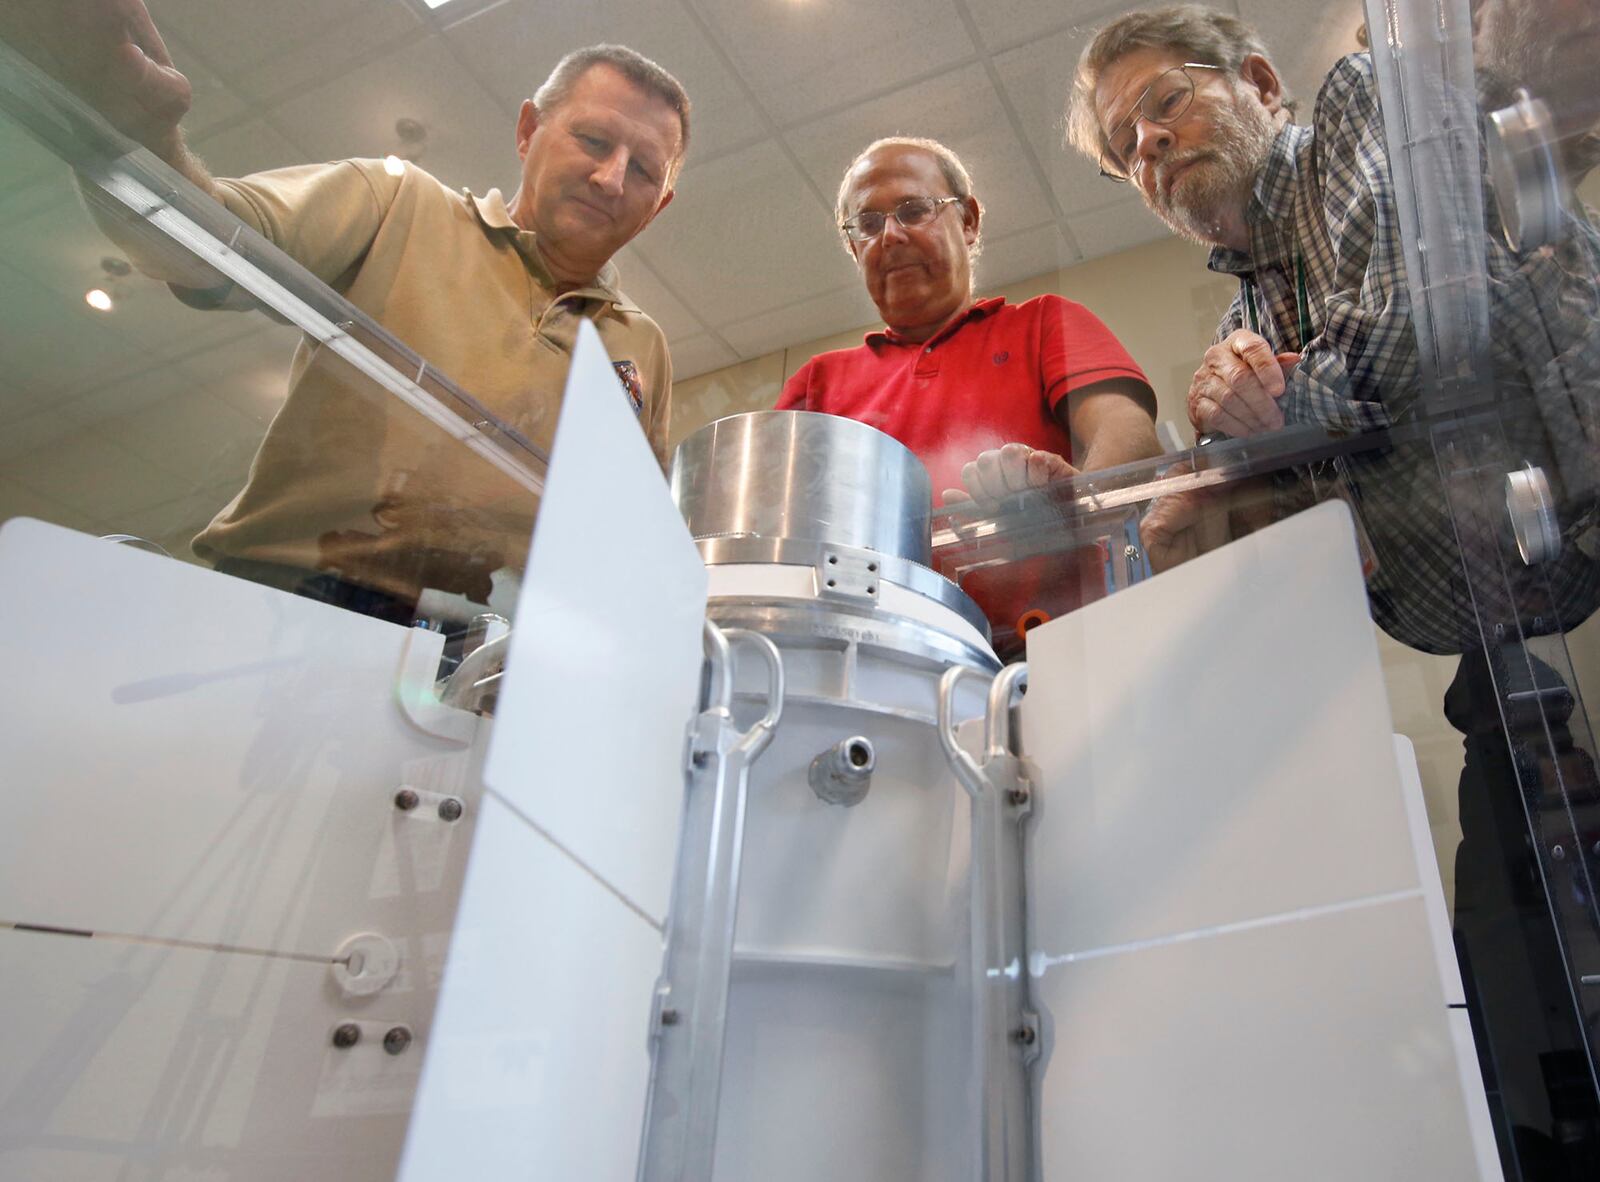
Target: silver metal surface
column 1533, row 515
column 843, row 773
column 912, row 576
column 814, row 477
column 689, row 1023
column 843, row 623
column 1005, row 1022
column 1529, row 185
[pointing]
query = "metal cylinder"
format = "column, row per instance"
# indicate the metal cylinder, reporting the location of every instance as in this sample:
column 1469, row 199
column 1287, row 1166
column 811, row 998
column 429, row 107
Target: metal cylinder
column 799, row 475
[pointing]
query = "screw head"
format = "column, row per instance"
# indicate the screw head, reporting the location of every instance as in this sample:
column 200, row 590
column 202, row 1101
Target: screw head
column 397, row 1040
column 406, row 799
column 450, row 809
column 1025, row 1035
column 1131, row 552
column 1558, row 853
column 346, row 1035
column 1018, row 797
column 669, row 1017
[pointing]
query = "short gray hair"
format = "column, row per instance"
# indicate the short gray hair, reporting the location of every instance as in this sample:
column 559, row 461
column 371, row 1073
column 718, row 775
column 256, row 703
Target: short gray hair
column 955, row 174
column 632, row 65
column 1199, row 33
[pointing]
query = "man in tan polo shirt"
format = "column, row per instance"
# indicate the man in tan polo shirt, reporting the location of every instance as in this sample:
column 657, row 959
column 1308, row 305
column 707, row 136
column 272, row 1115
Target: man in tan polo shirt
column 353, row 497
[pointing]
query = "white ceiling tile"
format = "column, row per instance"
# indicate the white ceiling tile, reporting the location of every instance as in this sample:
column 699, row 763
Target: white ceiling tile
column 192, row 435
column 745, row 235
column 16, row 501
column 645, row 288
column 337, row 47
column 960, row 110
column 248, row 147
column 125, row 394
column 233, row 35
column 22, row 158
column 60, row 248
column 1006, row 24
column 53, row 343
column 33, row 431
column 698, row 355
column 1037, row 79
column 1022, row 256
column 95, row 477
column 514, row 46
column 819, row 316
column 1305, row 42
column 250, row 372
column 802, row 59
column 471, row 140
column 1116, row 227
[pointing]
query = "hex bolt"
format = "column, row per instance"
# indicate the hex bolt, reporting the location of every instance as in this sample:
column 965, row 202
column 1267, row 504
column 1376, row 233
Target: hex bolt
column 450, row 809
column 397, row 1040
column 346, row 1035
column 669, row 1017
column 406, row 799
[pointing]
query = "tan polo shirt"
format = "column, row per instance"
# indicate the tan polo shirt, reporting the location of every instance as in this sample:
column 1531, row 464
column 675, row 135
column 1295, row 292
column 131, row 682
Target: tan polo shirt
column 351, row 481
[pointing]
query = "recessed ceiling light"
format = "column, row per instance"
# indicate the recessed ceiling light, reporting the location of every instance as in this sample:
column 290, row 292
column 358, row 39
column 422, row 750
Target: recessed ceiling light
column 393, row 165
column 98, row 298
column 436, row 3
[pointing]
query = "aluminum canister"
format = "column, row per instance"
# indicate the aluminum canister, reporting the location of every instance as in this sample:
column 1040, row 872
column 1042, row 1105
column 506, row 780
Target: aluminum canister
column 804, row 476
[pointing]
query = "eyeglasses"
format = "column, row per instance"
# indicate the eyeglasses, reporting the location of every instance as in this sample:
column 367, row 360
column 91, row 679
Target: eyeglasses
column 913, row 211
column 1163, row 101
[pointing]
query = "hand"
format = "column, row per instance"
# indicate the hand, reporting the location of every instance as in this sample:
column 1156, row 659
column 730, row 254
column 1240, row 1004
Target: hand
column 1184, row 525
column 110, row 53
column 1001, row 472
column 1237, row 387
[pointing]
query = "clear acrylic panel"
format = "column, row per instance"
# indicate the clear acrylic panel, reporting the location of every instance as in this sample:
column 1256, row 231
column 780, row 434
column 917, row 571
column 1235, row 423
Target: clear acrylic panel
column 230, row 779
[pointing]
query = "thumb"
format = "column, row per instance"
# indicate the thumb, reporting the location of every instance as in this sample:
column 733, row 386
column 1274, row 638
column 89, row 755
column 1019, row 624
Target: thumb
column 952, row 496
column 1288, row 360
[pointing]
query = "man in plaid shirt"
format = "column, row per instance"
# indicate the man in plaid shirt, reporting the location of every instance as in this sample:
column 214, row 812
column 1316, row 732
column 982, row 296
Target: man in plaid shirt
column 1185, row 104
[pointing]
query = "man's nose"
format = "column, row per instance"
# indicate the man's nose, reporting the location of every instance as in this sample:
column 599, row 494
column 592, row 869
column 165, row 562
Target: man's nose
column 1155, row 140
column 893, row 231
column 610, row 172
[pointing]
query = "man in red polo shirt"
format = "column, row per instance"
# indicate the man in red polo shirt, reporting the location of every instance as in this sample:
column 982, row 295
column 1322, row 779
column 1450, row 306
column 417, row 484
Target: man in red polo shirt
column 994, row 396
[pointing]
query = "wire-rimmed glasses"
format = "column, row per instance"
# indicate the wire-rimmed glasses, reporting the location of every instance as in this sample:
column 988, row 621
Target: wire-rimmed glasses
column 913, row 211
column 1164, row 101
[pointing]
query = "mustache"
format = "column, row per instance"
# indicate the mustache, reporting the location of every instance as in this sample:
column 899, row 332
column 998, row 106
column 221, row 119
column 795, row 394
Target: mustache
column 1167, row 167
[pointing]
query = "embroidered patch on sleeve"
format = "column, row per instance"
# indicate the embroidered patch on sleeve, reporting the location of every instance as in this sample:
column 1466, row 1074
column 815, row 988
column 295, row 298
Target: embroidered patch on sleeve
column 628, row 375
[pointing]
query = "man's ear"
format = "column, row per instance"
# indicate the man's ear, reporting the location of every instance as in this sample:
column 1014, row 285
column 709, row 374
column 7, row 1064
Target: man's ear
column 1258, row 73
column 527, row 124
column 971, row 219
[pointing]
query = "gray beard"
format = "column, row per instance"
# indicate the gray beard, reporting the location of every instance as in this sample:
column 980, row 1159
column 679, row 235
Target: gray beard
column 1219, row 188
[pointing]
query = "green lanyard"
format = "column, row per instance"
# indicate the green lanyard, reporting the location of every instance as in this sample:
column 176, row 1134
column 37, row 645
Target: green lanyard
column 1302, row 303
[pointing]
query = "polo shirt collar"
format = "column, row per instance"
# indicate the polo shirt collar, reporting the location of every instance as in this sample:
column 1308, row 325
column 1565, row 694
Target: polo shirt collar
column 980, row 309
column 492, row 212
column 1271, row 202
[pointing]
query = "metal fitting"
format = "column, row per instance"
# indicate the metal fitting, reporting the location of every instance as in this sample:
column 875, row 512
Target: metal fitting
column 843, row 773
column 346, row 1035
column 397, row 1040
column 406, row 799
column 450, row 809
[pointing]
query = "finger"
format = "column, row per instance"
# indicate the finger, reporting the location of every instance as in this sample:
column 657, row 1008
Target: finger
column 1045, row 468
column 1216, row 417
column 1254, row 352
column 953, row 496
column 1014, row 466
column 981, row 476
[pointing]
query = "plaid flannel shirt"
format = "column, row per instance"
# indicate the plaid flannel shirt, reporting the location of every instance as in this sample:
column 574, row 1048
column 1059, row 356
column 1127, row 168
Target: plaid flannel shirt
column 1324, row 202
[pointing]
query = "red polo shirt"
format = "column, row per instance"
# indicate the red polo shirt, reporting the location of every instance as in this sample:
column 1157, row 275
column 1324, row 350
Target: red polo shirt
column 992, row 377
